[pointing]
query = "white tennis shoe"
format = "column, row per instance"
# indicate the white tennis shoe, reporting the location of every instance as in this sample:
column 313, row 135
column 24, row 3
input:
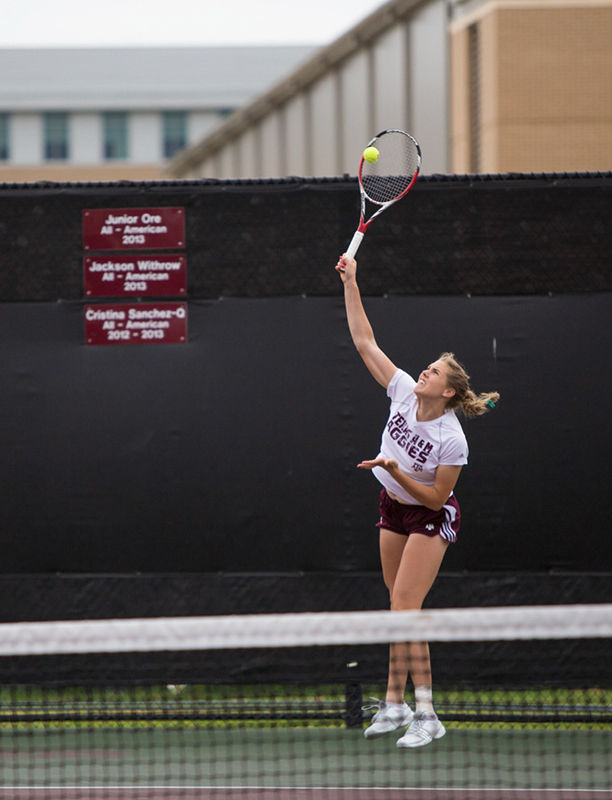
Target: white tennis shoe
column 387, row 719
column 423, row 729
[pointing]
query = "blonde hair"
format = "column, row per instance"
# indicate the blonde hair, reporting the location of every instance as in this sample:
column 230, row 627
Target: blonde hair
column 465, row 399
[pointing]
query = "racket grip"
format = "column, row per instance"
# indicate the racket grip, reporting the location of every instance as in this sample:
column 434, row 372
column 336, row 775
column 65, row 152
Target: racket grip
column 354, row 245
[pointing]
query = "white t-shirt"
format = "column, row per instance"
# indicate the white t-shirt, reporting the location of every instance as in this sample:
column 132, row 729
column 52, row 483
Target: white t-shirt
column 418, row 447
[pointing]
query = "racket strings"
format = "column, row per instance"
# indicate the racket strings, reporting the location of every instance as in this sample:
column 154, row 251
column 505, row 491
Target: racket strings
column 389, row 177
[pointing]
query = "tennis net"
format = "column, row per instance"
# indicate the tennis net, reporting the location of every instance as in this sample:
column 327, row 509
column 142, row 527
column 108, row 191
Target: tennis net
column 275, row 706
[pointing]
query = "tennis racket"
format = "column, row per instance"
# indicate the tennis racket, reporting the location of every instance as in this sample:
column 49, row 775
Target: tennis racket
column 386, row 180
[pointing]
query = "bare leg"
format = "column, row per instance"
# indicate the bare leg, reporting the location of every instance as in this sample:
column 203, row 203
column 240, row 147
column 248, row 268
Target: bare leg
column 410, row 566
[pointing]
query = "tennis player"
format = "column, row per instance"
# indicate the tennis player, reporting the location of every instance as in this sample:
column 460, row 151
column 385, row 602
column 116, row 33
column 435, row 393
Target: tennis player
column 422, row 453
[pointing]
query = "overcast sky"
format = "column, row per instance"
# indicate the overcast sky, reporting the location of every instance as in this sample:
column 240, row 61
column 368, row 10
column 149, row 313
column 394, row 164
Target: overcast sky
column 57, row 23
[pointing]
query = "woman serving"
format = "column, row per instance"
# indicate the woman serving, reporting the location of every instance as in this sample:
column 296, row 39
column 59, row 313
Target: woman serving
column 423, row 450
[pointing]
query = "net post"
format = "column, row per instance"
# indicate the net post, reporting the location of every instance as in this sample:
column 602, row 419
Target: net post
column 353, row 697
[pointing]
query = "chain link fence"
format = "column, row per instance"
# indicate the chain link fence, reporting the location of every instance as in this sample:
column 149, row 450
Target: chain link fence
column 451, row 235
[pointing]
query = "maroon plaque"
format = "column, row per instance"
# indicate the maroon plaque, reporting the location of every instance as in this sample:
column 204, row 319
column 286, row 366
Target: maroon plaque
column 135, row 275
column 133, row 228
column 136, row 323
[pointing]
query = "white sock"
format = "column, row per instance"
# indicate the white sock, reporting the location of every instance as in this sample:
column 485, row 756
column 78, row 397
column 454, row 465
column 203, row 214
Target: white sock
column 423, row 697
column 396, row 705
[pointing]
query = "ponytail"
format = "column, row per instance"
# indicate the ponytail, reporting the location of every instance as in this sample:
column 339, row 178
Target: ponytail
column 474, row 405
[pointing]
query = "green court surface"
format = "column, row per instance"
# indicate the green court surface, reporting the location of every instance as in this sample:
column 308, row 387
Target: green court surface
column 302, row 761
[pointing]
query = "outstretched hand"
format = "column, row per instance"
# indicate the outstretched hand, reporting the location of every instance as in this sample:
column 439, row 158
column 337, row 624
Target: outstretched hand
column 385, row 463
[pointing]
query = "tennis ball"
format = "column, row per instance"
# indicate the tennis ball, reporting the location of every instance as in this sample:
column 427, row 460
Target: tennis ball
column 371, row 154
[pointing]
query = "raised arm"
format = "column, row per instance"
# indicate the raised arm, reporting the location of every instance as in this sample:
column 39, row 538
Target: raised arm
column 379, row 364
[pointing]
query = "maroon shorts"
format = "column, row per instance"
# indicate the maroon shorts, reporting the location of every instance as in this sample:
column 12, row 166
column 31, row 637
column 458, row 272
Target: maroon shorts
column 405, row 519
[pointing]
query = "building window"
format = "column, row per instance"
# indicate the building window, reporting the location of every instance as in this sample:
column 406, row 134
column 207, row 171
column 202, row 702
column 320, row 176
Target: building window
column 56, row 136
column 174, row 132
column 4, row 137
column 115, row 135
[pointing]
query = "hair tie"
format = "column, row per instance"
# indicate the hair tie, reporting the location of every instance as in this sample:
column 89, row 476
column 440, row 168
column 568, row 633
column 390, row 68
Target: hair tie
column 490, row 403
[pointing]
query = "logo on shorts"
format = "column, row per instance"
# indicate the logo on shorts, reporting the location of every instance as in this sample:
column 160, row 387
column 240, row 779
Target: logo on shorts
column 430, row 526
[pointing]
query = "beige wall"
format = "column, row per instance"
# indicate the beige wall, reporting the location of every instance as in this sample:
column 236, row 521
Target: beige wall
column 460, row 102
column 545, row 88
column 67, row 172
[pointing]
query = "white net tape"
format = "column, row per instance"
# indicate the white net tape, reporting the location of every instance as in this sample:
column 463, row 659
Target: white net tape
column 306, row 629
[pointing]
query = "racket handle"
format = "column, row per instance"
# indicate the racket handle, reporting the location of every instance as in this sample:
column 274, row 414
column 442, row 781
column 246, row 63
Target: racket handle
column 354, row 245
